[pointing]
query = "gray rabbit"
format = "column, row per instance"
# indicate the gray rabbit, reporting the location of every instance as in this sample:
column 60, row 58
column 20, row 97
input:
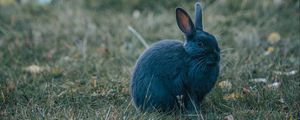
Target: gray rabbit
column 173, row 75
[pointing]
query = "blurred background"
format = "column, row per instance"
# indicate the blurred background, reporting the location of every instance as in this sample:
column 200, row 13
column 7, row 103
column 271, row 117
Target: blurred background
column 63, row 59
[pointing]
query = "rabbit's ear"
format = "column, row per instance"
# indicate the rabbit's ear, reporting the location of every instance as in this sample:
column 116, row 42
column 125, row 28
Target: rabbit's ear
column 184, row 22
column 198, row 16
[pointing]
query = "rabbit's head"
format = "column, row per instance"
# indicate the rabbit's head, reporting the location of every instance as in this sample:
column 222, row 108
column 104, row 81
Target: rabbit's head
column 198, row 44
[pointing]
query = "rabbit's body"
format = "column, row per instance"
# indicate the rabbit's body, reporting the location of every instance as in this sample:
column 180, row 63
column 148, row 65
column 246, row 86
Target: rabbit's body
column 172, row 74
column 163, row 82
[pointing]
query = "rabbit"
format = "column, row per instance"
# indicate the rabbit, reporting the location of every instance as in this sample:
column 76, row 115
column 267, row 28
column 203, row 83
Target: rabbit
column 175, row 76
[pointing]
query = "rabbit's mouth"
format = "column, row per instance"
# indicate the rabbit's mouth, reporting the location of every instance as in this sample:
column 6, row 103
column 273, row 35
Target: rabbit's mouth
column 212, row 60
column 209, row 60
column 212, row 63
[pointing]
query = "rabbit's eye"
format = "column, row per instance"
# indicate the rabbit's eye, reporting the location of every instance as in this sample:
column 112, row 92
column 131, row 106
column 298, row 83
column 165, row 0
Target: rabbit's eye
column 200, row 44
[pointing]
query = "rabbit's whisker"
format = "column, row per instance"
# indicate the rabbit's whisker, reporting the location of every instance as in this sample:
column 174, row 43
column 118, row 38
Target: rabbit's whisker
column 201, row 63
column 197, row 66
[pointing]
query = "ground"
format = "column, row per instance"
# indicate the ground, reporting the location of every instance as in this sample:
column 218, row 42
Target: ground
column 73, row 60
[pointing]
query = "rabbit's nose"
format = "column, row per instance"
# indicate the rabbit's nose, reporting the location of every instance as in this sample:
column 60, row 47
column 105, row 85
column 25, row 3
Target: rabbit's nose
column 217, row 57
column 213, row 59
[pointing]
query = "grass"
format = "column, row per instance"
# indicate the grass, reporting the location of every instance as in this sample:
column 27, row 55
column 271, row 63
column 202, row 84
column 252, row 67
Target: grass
column 77, row 43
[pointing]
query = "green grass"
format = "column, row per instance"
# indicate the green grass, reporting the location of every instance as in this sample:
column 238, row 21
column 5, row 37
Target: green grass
column 76, row 41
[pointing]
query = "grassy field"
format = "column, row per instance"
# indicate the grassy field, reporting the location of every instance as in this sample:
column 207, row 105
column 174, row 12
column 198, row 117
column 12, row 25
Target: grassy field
column 73, row 59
